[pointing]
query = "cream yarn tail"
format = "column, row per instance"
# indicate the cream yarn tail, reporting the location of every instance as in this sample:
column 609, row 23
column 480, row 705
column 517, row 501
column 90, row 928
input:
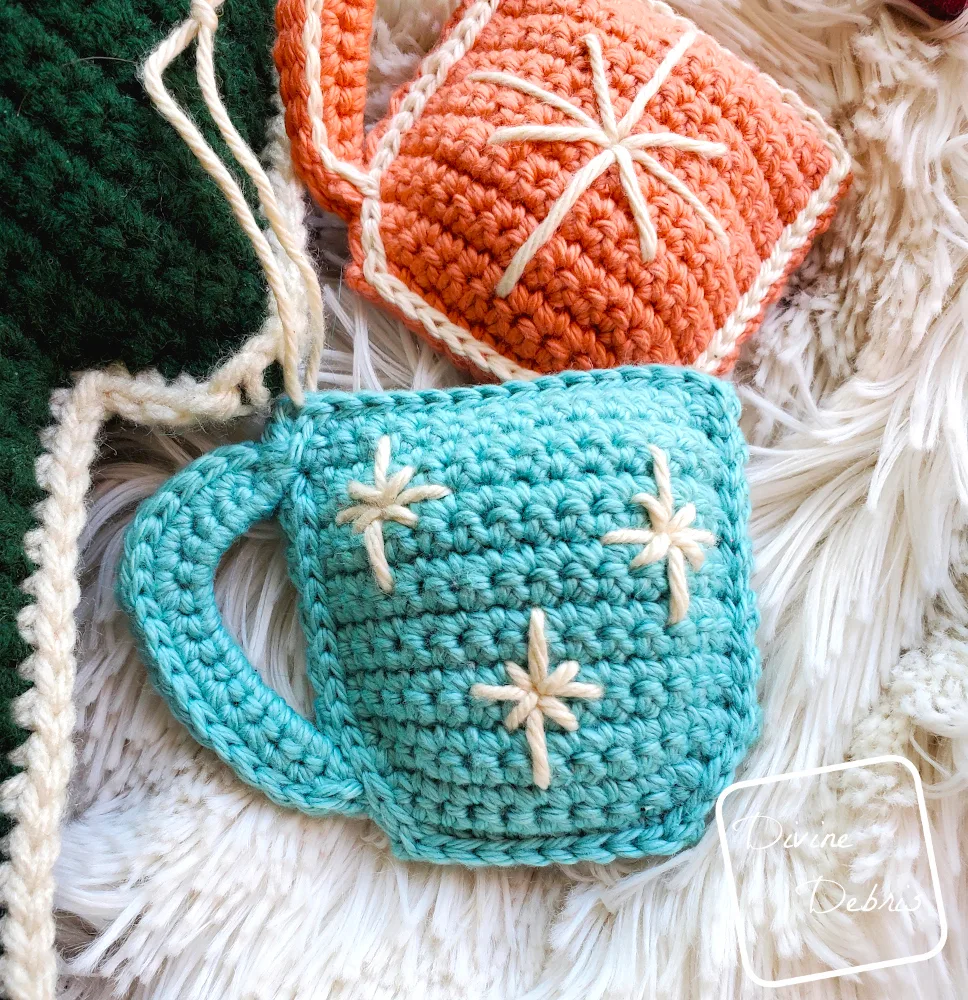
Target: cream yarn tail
column 35, row 798
column 202, row 25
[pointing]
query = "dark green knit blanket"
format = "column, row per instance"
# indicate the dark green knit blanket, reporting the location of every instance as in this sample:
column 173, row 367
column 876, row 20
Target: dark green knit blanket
column 114, row 244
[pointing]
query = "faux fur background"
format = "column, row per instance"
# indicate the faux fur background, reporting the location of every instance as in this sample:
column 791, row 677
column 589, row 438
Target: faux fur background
column 176, row 881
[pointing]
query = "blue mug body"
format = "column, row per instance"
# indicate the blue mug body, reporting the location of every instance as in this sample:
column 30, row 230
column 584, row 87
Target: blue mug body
column 527, row 607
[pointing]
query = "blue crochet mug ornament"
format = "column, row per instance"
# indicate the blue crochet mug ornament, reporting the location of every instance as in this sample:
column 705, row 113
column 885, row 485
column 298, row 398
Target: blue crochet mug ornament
column 529, row 623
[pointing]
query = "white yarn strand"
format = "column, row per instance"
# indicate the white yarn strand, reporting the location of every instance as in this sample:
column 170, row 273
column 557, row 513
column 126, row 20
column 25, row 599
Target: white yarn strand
column 204, row 22
column 204, row 11
column 579, row 183
column 386, row 500
column 670, row 536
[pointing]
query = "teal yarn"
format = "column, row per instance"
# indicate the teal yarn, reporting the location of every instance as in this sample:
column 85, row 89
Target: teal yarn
column 530, row 477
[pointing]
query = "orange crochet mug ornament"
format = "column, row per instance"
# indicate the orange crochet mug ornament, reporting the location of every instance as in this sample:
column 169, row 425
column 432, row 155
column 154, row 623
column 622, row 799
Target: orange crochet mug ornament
column 565, row 184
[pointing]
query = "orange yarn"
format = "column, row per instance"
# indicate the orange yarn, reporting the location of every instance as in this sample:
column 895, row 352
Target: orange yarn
column 735, row 178
column 344, row 55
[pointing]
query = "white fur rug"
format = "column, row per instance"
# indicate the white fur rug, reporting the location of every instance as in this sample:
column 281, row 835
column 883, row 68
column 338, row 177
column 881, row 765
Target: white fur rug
column 178, row 883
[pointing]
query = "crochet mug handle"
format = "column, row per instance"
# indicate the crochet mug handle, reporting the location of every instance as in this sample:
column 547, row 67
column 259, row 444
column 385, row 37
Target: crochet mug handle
column 322, row 53
column 166, row 583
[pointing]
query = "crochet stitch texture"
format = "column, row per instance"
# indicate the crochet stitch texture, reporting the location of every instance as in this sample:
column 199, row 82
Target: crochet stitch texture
column 503, row 566
column 114, row 244
column 567, row 184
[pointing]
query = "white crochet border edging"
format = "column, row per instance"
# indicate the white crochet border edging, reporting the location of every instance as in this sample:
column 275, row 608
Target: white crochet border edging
column 458, row 340
column 35, row 798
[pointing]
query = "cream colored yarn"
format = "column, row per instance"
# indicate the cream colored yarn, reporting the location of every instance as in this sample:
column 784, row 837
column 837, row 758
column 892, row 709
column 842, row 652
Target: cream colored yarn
column 35, row 798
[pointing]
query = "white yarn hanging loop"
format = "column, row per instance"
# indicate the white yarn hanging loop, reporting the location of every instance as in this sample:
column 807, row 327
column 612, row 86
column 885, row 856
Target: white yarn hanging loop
column 202, row 25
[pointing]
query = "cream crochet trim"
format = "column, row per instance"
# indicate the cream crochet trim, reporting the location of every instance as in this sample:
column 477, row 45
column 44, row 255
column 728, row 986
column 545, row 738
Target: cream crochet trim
column 36, row 797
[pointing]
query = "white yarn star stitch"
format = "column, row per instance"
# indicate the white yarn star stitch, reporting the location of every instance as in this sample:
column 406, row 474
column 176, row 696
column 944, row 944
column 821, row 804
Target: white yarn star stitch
column 670, row 537
column 385, row 500
column 619, row 146
column 539, row 694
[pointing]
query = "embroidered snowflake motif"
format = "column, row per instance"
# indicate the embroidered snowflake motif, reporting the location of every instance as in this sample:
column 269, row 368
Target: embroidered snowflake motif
column 538, row 694
column 670, row 537
column 385, row 500
column 619, row 147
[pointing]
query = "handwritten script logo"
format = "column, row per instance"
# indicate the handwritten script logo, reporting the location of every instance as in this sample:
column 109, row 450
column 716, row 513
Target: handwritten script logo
column 797, row 848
